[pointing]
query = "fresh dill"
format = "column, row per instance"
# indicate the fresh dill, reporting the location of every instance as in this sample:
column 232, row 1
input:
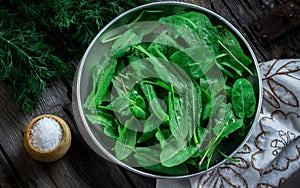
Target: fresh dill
column 38, row 39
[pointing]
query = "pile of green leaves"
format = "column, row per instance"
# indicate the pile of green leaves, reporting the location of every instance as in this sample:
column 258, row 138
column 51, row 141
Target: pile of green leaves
column 38, row 38
column 170, row 101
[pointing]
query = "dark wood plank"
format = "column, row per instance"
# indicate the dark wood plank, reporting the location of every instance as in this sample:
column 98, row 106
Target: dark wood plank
column 243, row 13
column 8, row 176
column 12, row 123
column 293, row 181
column 80, row 167
column 236, row 18
column 140, row 181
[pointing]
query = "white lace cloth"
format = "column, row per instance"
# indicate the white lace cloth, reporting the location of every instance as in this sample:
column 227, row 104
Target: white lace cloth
column 272, row 154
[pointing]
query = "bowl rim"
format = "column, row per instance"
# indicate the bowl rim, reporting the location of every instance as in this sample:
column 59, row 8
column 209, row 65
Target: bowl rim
column 149, row 5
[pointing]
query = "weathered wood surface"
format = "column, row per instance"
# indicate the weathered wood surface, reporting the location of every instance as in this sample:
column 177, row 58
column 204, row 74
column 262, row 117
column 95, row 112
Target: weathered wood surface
column 81, row 167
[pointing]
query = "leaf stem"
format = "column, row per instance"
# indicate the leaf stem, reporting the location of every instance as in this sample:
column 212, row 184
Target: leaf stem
column 110, row 39
column 123, row 85
column 238, row 61
column 30, row 59
column 221, row 55
column 129, row 147
column 208, row 149
column 143, row 50
column 162, row 84
column 16, row 48
column 227, row 157
column 105, row 108
column 196, row 141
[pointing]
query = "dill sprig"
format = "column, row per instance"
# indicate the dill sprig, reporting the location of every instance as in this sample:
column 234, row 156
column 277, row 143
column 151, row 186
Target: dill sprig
column 37, row 39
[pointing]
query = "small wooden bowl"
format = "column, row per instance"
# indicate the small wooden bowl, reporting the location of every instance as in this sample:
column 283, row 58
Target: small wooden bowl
column 54, row 154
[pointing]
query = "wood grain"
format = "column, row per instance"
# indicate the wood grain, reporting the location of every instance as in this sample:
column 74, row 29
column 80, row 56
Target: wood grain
column 82, row 167
column 8, row 176
column 12, row 124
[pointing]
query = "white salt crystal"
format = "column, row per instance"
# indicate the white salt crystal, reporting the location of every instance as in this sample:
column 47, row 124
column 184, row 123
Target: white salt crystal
column 46, row 134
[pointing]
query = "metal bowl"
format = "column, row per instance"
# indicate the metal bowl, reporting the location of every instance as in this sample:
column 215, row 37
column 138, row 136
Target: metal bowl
column 83, row 83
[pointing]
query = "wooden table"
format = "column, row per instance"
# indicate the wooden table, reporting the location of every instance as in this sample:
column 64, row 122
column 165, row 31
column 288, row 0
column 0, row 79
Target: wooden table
column 81, row 167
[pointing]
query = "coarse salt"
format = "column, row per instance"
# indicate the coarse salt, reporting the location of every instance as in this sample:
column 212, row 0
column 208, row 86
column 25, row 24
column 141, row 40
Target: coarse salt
column 46, row 134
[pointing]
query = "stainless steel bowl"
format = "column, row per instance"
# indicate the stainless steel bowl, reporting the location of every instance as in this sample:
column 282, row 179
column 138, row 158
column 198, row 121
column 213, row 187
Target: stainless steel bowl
column 83, row 82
